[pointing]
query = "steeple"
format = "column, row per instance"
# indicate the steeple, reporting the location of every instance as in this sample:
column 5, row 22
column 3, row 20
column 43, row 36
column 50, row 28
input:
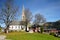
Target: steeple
column 23, row 14
column 23, row 7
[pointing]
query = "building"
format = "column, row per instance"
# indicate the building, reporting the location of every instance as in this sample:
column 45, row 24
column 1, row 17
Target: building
column 16, row 25
column 49, row 27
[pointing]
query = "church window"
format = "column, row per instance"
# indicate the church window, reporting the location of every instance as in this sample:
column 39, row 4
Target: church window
column 19, row 27
column 12, row 27
column 16, row 26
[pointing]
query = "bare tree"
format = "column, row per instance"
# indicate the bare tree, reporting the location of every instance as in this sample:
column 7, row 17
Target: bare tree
column 28, row 17
column 39, row 19
column 8, row 13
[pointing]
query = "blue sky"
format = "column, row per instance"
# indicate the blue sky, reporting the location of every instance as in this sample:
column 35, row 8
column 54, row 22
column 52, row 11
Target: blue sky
column 50, row 9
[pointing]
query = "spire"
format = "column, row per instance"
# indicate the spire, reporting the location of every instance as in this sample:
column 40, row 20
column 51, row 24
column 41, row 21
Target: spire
column 23, row 15
column 23, row 7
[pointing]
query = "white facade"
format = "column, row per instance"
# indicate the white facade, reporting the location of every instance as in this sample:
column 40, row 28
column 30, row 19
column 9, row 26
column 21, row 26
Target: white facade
column 17, row 27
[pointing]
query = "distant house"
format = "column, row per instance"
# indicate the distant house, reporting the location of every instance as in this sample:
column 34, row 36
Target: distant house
column 36, row 28
column 51, row 30
column 49, row 27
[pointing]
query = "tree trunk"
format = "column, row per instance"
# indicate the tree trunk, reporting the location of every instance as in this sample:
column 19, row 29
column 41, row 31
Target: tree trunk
column 7, row 29
column 26, row 28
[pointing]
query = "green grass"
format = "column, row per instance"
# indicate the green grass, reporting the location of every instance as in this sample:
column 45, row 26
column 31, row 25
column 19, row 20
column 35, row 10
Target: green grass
column 30, row 36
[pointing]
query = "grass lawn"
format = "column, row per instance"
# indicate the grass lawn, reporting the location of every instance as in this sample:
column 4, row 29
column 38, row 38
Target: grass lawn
column 30, row 36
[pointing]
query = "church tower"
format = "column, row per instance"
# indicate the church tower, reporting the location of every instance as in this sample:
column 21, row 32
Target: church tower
column 23, row 13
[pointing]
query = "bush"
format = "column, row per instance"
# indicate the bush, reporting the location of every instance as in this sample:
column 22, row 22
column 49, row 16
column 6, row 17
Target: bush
column 11, row 31
column 52, row 33
column 41, row 29
column 0, row 29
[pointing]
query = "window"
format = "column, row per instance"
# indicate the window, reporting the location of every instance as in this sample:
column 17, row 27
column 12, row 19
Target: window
column 16, row 26
column 12, row 27
column 19, row 27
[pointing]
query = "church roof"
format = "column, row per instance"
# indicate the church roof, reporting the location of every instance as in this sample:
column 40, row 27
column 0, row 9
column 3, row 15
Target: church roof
column 15, row 23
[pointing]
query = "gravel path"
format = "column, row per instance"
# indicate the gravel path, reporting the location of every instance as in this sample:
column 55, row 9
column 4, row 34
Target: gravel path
column 2, row 37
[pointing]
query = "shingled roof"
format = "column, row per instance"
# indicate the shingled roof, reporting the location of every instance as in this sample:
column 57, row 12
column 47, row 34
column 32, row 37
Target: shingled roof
column 15, row 23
